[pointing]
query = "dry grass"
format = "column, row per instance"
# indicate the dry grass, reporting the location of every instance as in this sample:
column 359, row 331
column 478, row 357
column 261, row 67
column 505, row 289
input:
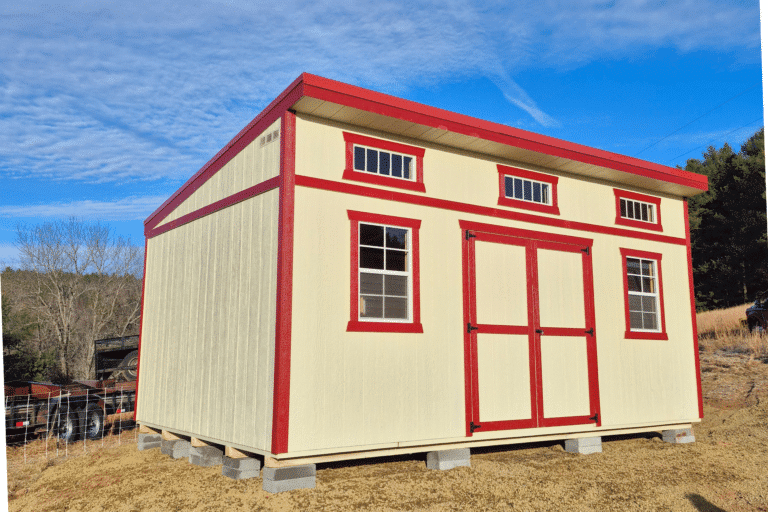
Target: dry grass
column 722, row 330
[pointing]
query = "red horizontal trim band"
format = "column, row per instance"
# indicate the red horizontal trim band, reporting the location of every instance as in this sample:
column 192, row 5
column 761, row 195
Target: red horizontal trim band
column 383, row 181
column 401, row 197
column 635, row 335
column 487, row 426
column 492, row 229
column 378, row 103
column 568, row 420
column 502, row 329
column 255, row 190
column 383, row 219
column 405, row 327
column 260, row 123
column 564, row 331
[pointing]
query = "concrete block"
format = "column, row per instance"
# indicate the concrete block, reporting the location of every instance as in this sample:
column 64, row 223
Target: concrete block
column 678, row 435
column 448, row 459
column 276, row 480
column 205, row 456
column 584, row 445
column 149, row 441
column 240, row 469
column 176, row 449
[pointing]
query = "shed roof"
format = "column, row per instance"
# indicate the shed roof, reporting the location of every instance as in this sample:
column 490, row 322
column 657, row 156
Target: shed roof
column 329, row 99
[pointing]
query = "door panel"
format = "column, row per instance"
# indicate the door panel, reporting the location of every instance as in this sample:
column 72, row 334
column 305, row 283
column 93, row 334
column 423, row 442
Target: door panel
column 504, row 377
column 564, row 376
column 501, row 288
column 561, row 288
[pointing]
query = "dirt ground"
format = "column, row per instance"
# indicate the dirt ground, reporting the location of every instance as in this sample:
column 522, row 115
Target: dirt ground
column 725, row 469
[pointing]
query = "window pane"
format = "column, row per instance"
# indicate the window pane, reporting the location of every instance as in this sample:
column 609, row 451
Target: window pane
column 637, row 211
column 635, row 320
column 649, row 285
column 359, row 158
column 644, row 211
column 545, row 194
column 635, row 303
column 623, row 207
column 396, row 307
column 649, row 304
column 396, row 260
column 647, row 268
column 527, row 193
column 397, row 238
column 650, row 213
column 396, row 285
column 633, row 266
column 384, row 163
column 371, row 307
column 649, row 321
column 371, row 283
column 371, row 235
column 509, row 188
column 518, row 188
column 633, row 283
column 397, row 166
column 373, row 160
column 537, row 192
column 407, row 167
column 371, row 258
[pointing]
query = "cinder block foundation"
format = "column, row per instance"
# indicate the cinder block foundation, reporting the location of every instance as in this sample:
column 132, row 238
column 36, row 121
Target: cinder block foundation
column 149, row 441
column 448, row 459
column 176, row 449
column 584, row 445
column 205, row 456
column 276, row 480
column 678, row 435
column 240, row 469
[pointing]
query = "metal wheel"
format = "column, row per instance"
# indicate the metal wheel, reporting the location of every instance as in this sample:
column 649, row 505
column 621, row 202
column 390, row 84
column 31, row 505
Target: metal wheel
column 66, row 425
column 92, row 422
column 126, row 370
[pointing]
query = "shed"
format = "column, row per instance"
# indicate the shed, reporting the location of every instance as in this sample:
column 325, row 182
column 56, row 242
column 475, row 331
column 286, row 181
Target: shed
column 357, row 275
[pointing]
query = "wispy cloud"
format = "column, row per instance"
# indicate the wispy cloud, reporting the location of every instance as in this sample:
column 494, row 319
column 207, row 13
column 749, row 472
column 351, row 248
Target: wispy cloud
column 130, row 208
column 145, row 91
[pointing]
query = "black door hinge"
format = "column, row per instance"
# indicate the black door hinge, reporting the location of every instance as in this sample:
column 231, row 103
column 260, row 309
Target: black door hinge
column 473, row 427
column 594, row 418
column 591, row 332
column 470, row 328
column 586, row 250
column 539, row 331
column 468, row 235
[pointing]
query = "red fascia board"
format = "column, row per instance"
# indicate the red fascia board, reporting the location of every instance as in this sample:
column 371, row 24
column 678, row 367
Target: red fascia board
column 268, row 116
column 379, row 103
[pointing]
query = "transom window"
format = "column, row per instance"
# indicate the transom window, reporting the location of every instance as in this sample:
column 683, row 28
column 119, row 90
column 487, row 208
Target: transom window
column 529, row 190
column 643, row 295
column 637, row 210
column 383, row 162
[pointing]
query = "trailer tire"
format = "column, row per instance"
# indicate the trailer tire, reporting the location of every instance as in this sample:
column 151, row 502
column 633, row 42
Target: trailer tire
column 66, row 425
column 126, row 370
column 92, row 422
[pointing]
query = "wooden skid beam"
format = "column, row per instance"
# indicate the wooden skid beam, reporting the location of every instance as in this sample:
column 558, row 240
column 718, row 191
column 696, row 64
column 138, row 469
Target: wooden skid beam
column 234, row 453
column 168, row 436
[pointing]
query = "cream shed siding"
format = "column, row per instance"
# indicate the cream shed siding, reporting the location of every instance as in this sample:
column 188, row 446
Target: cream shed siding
column 207, row 352
column 363, row 390
column 254, row 164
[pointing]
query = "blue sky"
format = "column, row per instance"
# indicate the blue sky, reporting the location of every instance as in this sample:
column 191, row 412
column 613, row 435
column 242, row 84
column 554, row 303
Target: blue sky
column 106, row 108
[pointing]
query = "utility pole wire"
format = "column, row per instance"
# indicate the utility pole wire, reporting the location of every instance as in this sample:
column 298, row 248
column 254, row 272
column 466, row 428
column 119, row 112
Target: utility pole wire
column 704, row 114
column 713, row 140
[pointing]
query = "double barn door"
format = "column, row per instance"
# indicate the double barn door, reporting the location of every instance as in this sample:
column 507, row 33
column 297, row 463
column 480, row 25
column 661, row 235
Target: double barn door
column 530, row 331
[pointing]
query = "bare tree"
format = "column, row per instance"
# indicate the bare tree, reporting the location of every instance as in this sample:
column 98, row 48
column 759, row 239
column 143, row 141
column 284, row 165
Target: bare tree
column 84, row 284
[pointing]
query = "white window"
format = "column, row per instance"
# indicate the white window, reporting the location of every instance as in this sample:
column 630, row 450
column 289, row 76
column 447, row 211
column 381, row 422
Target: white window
column 643, row 295
column 637, row 210
column 384, row 272
column 385, row 163
column 524, row 189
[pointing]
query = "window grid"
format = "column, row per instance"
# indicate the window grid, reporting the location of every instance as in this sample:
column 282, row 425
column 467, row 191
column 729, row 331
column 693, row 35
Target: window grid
column 527, row 190
column 384, row 273
column 643, row 291
column 637, row 210
column 385, row 163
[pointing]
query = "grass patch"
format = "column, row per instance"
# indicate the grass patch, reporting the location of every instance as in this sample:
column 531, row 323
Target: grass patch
column 723, row 330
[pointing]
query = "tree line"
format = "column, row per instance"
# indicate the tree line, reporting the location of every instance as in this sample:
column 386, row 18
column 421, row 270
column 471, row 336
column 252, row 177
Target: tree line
column 76, row 283
column 729, row 245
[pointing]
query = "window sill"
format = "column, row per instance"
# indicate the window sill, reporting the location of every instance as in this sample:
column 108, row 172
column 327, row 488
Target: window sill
column 358, row 326
column 632, row 335
column 621, row 221
column 384, row 181
column 526, row 205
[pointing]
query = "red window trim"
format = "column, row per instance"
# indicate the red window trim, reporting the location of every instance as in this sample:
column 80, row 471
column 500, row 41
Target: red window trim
column 356, row 325
column 531, row 175
column 377, row 179
column 634, row 196
column 636, row 335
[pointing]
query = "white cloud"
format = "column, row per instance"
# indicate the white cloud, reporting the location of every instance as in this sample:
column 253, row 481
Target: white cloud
column 130, row 208
column 135, row 91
